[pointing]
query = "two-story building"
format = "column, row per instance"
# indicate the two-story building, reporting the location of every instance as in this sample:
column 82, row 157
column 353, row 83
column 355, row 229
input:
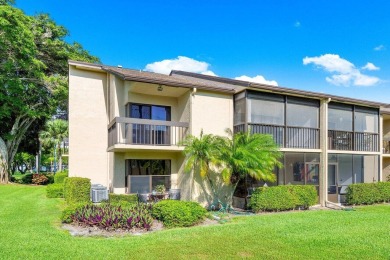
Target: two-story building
column 126, row 127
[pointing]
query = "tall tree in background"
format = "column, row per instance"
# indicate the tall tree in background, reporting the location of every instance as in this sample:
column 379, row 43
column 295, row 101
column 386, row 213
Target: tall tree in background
column 33, row 77
column 53, row 135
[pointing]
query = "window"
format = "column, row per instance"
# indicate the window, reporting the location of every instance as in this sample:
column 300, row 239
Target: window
column 302, row 112
column 340, row 117
column 239, row 111
column 149, row 133
column 366, row 120
column 143, row 175
column 152, row 112
column 266, row 112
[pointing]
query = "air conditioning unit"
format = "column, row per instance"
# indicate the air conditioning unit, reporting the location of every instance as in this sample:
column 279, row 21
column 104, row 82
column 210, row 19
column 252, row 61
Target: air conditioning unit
column 98, row 193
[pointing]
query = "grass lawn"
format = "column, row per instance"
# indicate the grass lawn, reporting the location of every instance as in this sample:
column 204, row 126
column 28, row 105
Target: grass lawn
column 30, row 229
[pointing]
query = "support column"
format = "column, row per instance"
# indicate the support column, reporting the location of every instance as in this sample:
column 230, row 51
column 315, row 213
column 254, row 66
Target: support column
column 323, row 181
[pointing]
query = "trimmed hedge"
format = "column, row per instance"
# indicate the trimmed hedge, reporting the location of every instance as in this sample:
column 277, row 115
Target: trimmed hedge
column 306, row 195
column 55, row 190
column 176, row 213
column 120, row 198
column 368, row 193
column 77, row 190
column 279, row 198
column 59, row 177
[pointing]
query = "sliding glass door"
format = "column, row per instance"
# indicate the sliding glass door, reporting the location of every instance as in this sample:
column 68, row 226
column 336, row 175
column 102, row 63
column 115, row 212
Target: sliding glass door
column 149, row 132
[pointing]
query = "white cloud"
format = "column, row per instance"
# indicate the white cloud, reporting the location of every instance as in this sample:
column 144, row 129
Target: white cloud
column 344, row 72
column 257, row 79
column 379, row 48
column 370, row 66
column 180, row 63
column 297, row 24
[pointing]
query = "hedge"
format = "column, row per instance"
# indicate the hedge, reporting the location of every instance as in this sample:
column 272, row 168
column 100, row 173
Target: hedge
column 306, row 195
column 119, row 198
column 368, row 193
column 176, row 213
column 55, row 190
column 287, row 197
column 77, row 190
column 59, row 177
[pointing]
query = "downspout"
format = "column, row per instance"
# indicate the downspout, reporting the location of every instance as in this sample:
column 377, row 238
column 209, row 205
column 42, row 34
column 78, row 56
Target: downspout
column 192, row 172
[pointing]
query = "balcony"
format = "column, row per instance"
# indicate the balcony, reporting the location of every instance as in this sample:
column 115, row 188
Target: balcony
column 353, row 141
column 144, row 132
column 286, row 137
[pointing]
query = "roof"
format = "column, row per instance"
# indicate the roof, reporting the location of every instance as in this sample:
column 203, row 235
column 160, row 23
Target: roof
column 157, row 78
column 194, row 80
column 277, row 89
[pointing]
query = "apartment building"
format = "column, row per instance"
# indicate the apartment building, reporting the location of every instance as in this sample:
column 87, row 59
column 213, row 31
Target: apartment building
column 126, row 128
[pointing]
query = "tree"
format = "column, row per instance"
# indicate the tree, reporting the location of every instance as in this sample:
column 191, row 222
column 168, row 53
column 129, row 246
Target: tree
column 232, row 158
column 201, row 155
column 23, row 162
column 247, row 154
column 33, row 77
column 53, row 135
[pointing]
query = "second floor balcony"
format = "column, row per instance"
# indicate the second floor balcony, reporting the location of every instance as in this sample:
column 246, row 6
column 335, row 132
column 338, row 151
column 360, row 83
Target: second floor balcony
column 353, row 141
column 145, row 132
column 285, row 136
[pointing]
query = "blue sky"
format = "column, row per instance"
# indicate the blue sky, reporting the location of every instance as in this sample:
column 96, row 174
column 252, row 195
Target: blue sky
column 335, row 47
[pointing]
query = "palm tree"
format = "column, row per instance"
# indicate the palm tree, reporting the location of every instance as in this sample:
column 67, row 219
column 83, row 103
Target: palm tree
column 247, row 154
column 54, row 134
column 201, row 154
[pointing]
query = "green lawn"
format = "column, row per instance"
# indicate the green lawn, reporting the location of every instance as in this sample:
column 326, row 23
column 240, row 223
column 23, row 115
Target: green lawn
column 30, row 229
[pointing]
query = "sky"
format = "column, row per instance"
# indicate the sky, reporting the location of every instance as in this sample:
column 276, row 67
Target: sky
column 328, row 46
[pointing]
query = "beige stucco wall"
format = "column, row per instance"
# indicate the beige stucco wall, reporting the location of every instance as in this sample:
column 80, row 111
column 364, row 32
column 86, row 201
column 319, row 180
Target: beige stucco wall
column 212, row 112
column 88, row 125
column 386, row 169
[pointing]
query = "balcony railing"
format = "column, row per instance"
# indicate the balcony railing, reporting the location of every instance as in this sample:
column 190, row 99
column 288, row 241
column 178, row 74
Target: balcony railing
column 288, row 137
column 136, row 131
column 353, row 141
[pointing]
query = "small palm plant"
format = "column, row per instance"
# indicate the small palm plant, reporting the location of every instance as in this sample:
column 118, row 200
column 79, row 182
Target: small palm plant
column 201, row 155
column 247, row 154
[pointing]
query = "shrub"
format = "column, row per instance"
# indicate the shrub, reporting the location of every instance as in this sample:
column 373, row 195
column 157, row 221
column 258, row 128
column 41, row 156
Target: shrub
column 59, row 177
column 368, row 193
column 55, row 190
column 50, row 178
column 39, row 179
column 111, row 217
column 306, row 195
column 276, row 198
column 77, row 190
column 69, row 211
column 123, row 199
column 384, row 190
column 176, row 213
column 25, row 179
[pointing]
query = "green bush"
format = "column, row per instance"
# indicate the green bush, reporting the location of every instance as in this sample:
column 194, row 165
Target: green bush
column 50, row 178
column 123, row 199
column 55, row 190
column 306, row 195
column 368, row 193
column 26, row 179
column 176, row 213
column 77, row 190
column 384, row 190
column 276, row 198
column 59, row 177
